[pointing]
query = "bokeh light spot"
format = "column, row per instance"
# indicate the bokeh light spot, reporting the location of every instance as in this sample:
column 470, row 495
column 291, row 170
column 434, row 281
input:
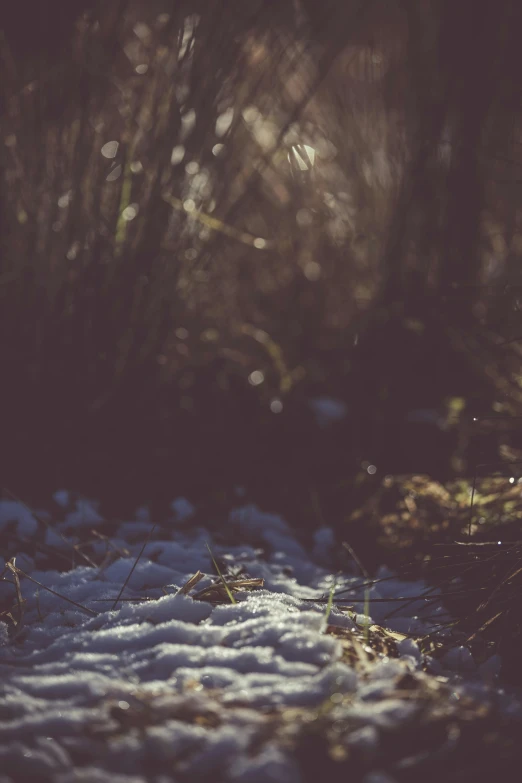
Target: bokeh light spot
column 110, row 149
column 177, row 155
column 130, row 212
column 256, row 378
column 192, row 167
column 276, row 406
column 312, row 271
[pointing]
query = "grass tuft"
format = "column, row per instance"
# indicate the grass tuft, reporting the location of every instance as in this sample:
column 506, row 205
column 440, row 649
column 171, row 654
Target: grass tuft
column 225, row 585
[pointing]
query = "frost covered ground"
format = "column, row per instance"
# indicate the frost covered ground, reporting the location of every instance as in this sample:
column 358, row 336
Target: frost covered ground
column 174, row 682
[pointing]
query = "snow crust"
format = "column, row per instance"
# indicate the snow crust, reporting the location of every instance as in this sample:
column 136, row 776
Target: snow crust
column 78, row 679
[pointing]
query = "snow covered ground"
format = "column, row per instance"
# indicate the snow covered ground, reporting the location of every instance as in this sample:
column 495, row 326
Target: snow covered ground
column 172, row 685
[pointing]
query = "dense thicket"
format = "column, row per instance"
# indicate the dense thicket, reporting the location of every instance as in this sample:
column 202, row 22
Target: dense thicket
column 213, row 212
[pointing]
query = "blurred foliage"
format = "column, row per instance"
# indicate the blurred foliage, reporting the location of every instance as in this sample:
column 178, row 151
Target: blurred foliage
column 213, row 212
column 462, row 537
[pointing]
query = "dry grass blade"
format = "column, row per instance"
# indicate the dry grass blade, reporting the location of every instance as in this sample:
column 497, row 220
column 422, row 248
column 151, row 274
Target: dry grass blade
column 366, row 575
column 11, row 566
column 483, row 627
column 124, row 585
column 138, row 600
column 330, row 602
column 190, row 583
column 506, row 580
column 46, row 550
column 358, row 563
column 109, row 544
column 227, row 590
column 217, row 592
column 217, row 225
column 39, row 611
column 18, row 571
column 112, row 552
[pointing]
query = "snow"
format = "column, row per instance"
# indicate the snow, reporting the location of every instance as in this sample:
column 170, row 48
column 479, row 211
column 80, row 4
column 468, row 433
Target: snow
column 14, row 513
column 62, row 497
column 85, row 515
column 166, row 686
column 328, row 411
column 183, row 509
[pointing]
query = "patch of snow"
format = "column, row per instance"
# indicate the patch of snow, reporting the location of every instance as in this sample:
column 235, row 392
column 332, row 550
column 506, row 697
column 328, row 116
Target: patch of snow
column 85, row 515
column 62, row 497
column 85, row 669
column 459, row 659
column 324, row 544
column 13, row 512
column 183, row 509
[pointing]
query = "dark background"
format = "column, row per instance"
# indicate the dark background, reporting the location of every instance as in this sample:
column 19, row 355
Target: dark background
column 388, row 279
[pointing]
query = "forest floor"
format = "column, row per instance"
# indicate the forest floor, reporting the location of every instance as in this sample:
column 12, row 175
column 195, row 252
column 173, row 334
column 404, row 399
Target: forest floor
column 230, row 655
